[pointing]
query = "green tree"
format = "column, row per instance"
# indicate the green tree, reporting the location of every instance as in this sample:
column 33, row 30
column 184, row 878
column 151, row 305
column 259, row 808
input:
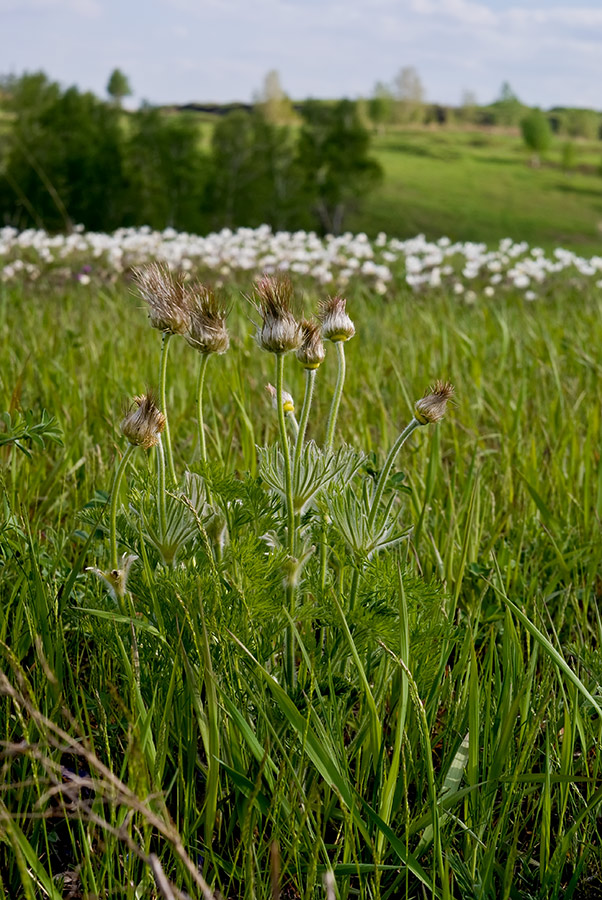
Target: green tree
column 255, row 177
column 118, row 86
column 380, row 106
column 167, row 171
column 333, row 155
column 507, row 108
column 65, row 159
column 272, row 102
column 409, row 95
column 537, row 134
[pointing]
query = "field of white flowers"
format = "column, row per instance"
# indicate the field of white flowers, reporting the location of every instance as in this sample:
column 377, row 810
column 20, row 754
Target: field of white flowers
column 384, row 264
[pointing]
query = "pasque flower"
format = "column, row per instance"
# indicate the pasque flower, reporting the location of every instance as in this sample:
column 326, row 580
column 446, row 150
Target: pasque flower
column 143, row 423
column 431, row 408
column 166, row 297
column 207, row 322
column 336, row 324
column 279, row 331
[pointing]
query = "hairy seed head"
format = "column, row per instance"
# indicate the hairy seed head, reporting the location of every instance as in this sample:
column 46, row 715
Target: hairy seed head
column 207, row 325
column 279, row 331
column 143, row 423
column 288, row 404
column 166, row 297
column 431, row 408
column 311, row 353
column 336, row 324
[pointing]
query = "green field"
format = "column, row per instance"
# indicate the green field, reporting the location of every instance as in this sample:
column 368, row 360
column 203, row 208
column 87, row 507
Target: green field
column 478, row 186
column 436, row 732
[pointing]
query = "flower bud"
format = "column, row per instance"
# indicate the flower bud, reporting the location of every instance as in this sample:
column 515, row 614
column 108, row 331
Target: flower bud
column 143, row 423
column 311, row 353
column 279, row 331
column 431, row 408
column 207, row 323
column 166, row 297
column 288, row 404
column 336, row 324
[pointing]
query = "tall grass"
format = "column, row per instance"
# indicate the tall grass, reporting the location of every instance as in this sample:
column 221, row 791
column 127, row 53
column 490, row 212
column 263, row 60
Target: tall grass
column 442, row 737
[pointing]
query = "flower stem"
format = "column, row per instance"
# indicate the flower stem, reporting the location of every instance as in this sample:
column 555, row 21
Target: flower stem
column 310, row 380
column 289, row 640
column 161, row 490
column 200, row 386
column 163, row 403
column 386, row 470
column 288, row 481
column 338, row 393
column 113, row 507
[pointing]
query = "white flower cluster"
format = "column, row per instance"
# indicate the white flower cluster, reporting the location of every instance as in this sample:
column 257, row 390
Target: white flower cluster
column 465, row 269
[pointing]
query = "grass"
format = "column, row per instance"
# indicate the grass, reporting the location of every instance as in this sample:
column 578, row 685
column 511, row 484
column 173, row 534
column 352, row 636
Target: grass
column 478, row 186
column 442, row 736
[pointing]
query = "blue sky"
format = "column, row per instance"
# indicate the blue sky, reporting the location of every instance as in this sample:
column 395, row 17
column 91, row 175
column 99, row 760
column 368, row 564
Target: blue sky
column 219, row 50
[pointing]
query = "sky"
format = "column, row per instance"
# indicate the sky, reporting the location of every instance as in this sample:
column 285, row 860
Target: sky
column 180, row 51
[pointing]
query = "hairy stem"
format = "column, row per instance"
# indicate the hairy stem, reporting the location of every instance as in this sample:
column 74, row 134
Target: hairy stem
column 310, row 380
column 113, row 507
column 161, row 490
column 200, row 386
column 289, row 647
column 288, row 480
column 336, row 397
column 163, row 403
column 386, row 470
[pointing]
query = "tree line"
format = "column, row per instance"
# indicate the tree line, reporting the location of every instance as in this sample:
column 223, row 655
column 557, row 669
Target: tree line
column 68, row 157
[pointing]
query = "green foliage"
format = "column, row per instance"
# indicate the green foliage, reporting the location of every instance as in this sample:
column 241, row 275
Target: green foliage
column 380, row 106
column 466, row 651
column 25, row 430
column 536, row 133
column 333, row 155
column 254, row 173
column 118, row 86
column 65, row 164
column 166, row 171
column 507, row 109
column 569, row 156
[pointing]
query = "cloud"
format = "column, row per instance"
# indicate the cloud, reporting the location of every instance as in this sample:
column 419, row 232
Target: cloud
column 86, row 8
column 462, row 11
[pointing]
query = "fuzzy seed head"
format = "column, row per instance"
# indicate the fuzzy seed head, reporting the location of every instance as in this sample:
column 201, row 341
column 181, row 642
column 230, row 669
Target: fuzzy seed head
column 311, row 353
column 207, row 324
column 143, row 423
column 166, row 296
column 431, row 408
column 279, row 331
column 336, row 324
column 288, row 404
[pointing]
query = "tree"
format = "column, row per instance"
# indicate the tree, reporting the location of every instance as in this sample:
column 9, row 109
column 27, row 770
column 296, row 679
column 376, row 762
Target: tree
column 274, row 105
column 255, row 177
column 468, row 107
column 507, row 107
column 333, row 155
column 537, row 134
column 410, row 95
column 118, row 86
column 380, row 106
column 167, row 172
column 65, row 159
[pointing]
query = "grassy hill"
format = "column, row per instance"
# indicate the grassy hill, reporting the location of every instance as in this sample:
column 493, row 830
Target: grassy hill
column 476, row 185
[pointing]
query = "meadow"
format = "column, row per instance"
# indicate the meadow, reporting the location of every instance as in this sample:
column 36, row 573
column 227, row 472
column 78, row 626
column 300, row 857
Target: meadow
column 478, row 185
column 403, row 699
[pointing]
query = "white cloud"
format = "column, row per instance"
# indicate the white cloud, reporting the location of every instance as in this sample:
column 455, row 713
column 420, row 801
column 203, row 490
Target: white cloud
column 87, row 8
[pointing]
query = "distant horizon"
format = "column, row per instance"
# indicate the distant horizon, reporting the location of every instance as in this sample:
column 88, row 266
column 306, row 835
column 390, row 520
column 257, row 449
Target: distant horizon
column 131, row 103
column 177, row 51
